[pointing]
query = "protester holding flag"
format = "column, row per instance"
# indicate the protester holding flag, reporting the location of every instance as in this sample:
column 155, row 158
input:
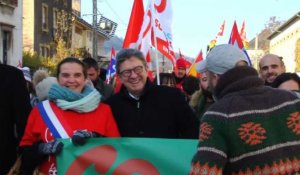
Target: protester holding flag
column 142, row 109
column 72, row 111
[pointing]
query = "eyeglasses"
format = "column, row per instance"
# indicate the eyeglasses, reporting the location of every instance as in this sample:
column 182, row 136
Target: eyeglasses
column 136, row 70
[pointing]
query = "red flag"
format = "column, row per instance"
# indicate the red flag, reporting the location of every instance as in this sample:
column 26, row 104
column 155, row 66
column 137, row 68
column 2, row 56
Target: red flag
column 219, row 34
column 235, row 39
column 135, row 24
column 138, row 31
column 242, row 30
column 222, row 27
column 199, row 57
column 243, row 36
column 192, row 71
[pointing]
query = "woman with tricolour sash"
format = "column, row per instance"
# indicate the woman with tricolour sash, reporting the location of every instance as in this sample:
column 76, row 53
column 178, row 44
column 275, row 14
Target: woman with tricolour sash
column 72, row 111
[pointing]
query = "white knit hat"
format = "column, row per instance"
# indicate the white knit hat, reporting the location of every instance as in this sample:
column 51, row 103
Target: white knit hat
column 43, row 87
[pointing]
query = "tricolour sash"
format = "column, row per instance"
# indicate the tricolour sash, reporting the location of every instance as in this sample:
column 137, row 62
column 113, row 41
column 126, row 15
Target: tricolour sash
column 56, row 123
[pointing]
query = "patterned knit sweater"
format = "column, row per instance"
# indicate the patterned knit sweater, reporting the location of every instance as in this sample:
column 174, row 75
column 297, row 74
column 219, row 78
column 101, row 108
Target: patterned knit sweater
column 252, row 129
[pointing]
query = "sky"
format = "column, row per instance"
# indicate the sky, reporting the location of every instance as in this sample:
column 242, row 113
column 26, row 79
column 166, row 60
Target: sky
column 196, row 22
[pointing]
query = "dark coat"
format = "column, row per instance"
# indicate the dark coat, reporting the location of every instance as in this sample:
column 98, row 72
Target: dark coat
column 161, row 112
column 104, row 89
column 14, row 110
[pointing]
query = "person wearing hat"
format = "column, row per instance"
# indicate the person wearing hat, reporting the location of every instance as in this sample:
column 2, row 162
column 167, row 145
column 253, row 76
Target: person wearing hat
column 14, row 110
column 251, row 128
column 180, row 72
column 143, row 109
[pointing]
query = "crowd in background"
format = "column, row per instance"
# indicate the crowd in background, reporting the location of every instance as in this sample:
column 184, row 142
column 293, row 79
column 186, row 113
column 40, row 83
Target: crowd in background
column 245, row 120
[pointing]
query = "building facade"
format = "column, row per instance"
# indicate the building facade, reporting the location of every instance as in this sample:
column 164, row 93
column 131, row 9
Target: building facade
column 46, row 22
column 11, row 32
column 285, row 42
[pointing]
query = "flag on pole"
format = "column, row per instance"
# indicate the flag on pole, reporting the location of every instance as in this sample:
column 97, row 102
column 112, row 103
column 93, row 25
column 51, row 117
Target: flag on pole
column 143, row 26
column 221, row 31
column 111, row 70
column 127, row 156
column 135, row 24
column 243, row 36
column 235, row 39
column 138, row 33
column 219, row 34
column 162, row 16
column 192, row 71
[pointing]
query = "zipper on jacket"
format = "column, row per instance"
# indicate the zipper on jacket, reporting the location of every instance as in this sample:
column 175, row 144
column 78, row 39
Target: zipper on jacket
column 138, row 105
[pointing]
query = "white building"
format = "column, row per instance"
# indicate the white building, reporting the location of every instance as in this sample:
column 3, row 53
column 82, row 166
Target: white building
column 285, row 42
column 11, row 31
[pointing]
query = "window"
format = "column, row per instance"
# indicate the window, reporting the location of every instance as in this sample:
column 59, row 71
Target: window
column 44, row 17
column 6, row 35
column 55, row 17
column 13, row 3
column 44, row 50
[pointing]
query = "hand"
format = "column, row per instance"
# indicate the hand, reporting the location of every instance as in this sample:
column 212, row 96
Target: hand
column 53, row 147
column 80, row 136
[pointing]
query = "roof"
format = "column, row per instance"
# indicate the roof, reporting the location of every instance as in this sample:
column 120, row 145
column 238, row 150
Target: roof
column 285, row 25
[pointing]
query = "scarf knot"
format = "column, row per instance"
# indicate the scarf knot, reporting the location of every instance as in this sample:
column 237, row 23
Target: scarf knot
column 67, row 99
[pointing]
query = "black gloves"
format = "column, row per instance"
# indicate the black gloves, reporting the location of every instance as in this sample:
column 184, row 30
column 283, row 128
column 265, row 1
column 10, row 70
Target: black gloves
column 53, row 147
column 80, row 136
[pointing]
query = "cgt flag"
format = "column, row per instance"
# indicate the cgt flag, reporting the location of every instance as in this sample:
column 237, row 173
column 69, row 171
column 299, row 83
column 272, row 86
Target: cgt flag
column 127, row 156
column 162, row 15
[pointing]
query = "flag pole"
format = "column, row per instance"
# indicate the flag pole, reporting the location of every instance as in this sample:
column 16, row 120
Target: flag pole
column 155, row 42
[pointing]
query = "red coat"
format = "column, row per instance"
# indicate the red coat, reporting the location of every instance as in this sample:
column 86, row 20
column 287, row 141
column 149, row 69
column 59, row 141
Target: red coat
column 100, row 120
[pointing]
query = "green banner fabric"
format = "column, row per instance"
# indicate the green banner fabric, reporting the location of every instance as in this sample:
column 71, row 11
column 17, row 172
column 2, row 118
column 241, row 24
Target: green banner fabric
column 127, row 156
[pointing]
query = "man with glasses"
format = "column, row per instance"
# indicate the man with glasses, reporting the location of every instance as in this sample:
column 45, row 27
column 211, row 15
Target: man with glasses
column 142, row 109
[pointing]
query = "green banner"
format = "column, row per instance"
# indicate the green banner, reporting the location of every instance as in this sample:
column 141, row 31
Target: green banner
column 127, row 156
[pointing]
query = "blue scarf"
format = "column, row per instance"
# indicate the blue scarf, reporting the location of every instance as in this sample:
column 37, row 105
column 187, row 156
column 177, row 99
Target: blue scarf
column 67, row 99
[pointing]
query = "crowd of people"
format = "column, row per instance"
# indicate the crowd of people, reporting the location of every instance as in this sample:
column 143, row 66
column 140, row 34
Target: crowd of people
column 246, row 121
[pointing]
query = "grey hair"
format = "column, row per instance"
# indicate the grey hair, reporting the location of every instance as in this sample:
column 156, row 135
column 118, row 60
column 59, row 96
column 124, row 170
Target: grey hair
column 126, row 54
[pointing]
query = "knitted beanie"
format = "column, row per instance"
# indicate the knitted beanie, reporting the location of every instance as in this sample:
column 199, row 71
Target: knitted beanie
column 181, row 63
column 39, row 75
column 42, row 88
